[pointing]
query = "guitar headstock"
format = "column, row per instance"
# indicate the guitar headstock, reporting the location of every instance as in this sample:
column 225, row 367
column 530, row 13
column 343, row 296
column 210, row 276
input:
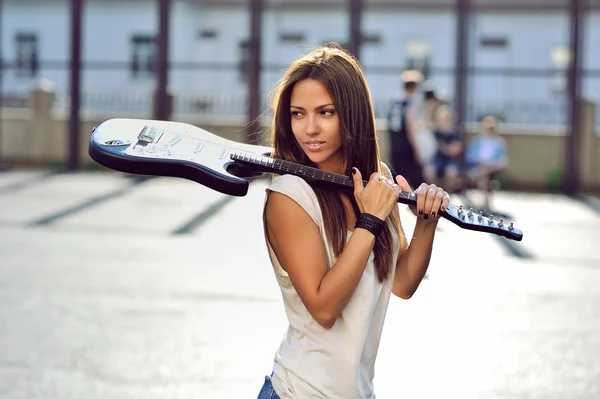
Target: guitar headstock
column 471, row 220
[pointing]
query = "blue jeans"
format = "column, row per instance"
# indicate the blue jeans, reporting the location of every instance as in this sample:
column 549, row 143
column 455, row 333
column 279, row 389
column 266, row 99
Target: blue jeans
column 267, row 391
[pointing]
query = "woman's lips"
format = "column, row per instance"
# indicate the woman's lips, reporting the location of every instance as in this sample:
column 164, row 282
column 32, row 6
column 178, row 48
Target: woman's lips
column 315, row 145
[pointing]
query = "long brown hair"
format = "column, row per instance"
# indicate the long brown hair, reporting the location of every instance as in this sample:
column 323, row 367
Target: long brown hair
column 344, row 79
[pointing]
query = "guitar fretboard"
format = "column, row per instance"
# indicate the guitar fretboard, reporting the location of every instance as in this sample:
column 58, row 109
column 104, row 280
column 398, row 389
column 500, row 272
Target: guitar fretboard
column 280, row 165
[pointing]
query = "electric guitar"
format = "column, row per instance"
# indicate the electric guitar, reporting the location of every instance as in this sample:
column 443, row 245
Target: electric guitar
column 175, row 149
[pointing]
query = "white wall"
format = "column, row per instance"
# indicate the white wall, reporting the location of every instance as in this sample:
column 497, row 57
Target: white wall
column 50, row 21
column 108, row 27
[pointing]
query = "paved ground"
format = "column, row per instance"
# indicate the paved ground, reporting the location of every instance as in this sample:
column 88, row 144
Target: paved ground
column 112, row 287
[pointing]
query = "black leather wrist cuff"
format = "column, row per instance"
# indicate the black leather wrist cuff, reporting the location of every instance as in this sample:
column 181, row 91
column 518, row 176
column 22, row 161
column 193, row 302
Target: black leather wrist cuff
column 369, row 222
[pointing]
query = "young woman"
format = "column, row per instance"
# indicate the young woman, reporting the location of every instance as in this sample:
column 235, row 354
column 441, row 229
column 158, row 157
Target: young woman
column 337, row 255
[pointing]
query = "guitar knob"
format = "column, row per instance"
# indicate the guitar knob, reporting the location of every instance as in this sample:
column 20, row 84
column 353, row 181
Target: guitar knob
column 165, row 148
column 151, row 148
column 138, row 150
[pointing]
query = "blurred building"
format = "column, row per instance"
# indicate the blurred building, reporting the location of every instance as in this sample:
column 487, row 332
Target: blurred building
column 518, row 50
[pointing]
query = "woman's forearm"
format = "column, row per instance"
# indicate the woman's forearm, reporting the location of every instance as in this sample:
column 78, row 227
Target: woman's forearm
column 414, row 261
column 340, row 282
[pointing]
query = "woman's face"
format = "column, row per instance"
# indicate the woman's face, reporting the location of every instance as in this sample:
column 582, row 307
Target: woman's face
column 316, row 125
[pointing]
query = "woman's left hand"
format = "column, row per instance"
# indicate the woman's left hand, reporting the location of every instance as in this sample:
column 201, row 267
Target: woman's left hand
column 431, row 199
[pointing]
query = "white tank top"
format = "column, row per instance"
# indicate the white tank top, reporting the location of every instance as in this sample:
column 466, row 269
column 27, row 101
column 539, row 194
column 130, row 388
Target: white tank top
column 315, row 362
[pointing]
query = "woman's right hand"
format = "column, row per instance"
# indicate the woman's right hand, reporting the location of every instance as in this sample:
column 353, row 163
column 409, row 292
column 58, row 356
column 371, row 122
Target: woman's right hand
column 378, row 197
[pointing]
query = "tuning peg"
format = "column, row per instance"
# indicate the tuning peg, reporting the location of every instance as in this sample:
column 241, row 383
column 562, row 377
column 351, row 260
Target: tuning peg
column 501, row 223
column 491, row 219
column 470, row 211
column 480, row 217
column 511, row 228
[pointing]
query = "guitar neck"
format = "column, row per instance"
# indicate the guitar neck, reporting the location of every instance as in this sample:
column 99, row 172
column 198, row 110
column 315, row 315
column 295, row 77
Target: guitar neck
column 465, row 219
column 280, row 166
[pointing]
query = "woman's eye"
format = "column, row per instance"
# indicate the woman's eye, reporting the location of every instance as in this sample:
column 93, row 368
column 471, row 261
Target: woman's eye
column 295, row 113
column 328, row 111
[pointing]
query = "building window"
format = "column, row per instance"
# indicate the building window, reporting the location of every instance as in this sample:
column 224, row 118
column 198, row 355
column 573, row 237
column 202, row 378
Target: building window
column 244, row 59
column 494, row 42
column 207, row 34
column 417, row 55
column 144, row 56
column 560, row 56
column 291, row 37
column 26, row 45
column 371, row 39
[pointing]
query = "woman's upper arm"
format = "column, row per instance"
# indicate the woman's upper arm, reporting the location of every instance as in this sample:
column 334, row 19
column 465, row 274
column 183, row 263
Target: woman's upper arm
column 296, row 241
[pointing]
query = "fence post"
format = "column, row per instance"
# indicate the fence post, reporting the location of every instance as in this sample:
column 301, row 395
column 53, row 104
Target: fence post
column 573, row 136
column 74, row 162
column 1, row 81
column 463, row 12
column 254, row 50
column 355, row 37
column 162, row 110
column 589, row 164
column 42, row 126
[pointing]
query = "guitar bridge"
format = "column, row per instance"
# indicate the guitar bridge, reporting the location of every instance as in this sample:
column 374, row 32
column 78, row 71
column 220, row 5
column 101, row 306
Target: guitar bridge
column 147, row 135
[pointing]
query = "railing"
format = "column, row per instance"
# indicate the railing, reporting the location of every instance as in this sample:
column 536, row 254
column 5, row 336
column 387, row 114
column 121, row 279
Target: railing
column 140, row 104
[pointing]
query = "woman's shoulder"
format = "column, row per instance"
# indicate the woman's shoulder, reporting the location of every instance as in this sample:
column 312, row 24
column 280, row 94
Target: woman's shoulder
column 289, row 182
column 299, row 191
column 294, row 187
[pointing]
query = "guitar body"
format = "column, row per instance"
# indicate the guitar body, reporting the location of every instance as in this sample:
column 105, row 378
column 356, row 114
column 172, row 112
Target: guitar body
column 173, row 149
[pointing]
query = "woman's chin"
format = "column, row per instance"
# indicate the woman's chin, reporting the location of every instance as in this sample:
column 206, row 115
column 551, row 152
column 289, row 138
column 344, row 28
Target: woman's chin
column 315, row 158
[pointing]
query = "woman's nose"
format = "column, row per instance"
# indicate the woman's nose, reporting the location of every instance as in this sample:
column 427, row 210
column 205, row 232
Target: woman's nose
column 312, row 125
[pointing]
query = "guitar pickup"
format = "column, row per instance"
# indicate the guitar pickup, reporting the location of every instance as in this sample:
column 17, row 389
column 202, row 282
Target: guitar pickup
column 147, row 135
column 199, row 147
column 174, row 140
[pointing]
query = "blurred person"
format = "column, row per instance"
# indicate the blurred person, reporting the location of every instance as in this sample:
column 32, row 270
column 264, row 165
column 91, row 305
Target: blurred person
column 486, row 156
column 337, row 255
column 402, row 131
column 426, row 127
column 445, row 167
column 431, row 103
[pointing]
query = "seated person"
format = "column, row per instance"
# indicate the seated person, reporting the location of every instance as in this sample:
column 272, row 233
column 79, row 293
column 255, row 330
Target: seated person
column 445, row 167
column 486, row 156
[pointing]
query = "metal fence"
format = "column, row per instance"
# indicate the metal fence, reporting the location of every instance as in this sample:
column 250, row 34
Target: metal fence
column 216, row 98
column 551, row 111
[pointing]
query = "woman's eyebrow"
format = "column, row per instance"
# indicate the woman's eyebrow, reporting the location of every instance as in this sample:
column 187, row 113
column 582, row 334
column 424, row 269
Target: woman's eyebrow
column 319, row 107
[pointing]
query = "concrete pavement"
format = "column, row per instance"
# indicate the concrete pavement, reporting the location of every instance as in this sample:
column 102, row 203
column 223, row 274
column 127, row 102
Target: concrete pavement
column 161, row 288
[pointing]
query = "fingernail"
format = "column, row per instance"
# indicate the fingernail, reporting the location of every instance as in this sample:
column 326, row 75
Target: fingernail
column 420, row 211
column 426, row 217
column 443, row 208
column 432, row 214
column 353, row 171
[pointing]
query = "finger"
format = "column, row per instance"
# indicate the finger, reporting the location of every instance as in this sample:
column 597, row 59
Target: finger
column 437, row 203
column 445, row 201
column 406, row 188
column 358, row 182
column 421, row 193
column 429, row 199
column 375, row 178
column 403, row 183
